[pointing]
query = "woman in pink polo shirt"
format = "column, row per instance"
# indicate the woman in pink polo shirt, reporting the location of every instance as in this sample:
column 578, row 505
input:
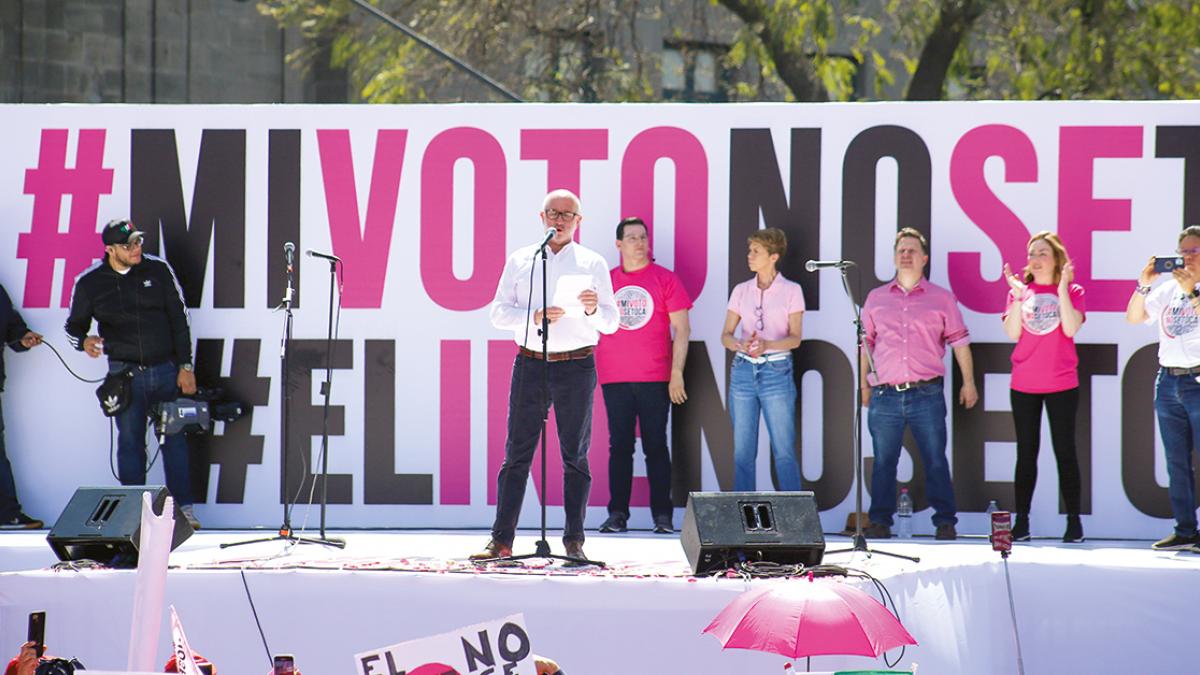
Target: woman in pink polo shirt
column 769, row 309
column 1043, row 312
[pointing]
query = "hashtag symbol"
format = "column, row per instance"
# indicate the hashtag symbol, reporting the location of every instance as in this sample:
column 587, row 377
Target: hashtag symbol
column 48, row 183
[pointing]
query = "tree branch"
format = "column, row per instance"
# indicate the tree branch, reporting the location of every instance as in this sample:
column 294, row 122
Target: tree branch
column 791, row 62
column 955, row 20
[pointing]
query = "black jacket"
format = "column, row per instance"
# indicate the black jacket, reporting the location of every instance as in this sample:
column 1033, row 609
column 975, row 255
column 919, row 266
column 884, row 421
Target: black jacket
column 12, row 327
column 141, row 314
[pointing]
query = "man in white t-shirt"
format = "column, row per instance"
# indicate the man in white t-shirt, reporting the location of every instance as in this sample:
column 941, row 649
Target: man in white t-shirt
column 1173, row 307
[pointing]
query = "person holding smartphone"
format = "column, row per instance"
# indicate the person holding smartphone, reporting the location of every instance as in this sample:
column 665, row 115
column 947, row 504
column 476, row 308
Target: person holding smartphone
column 1043, row 312
column 770, row 310
column 1173, row 307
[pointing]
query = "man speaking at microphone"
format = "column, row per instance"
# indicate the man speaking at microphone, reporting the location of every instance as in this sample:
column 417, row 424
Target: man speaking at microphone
column 575, row 324
column 143, row 328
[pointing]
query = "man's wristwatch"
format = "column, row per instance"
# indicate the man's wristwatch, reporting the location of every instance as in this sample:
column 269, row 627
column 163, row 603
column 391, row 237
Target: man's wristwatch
column 1143, row 290
column 1195, row 293
column 186, row 366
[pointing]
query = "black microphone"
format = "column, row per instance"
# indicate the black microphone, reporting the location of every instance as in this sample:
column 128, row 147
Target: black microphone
column 814, row 265
column 326, row 256
column 550, row 232
column 289, row 253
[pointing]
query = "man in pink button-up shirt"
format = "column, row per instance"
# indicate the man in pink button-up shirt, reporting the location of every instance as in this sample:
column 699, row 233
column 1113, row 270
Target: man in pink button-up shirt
column 908, row 323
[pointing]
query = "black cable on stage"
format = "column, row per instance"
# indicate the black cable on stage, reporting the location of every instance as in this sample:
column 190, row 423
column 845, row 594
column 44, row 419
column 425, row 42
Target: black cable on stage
column 258, row 623
column 77, row 376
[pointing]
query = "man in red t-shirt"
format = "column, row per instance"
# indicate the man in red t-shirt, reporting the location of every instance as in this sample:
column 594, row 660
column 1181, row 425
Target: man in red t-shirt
column 640, row 370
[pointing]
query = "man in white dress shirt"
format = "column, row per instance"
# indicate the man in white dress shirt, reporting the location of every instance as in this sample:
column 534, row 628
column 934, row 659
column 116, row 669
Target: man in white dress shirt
column 574, row 331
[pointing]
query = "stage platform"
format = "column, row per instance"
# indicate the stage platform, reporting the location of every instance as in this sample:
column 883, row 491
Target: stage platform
column 1097, row 607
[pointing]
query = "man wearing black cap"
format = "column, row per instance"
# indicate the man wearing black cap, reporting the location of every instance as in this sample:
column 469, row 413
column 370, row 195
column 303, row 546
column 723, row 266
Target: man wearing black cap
column 18, row 336
column 143, row 325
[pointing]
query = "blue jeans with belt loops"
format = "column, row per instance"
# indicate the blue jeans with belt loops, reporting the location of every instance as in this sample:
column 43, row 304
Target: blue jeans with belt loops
column 770, row 389
column 923, row 410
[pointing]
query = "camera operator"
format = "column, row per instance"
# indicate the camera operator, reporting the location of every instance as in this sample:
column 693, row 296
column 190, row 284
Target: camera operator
column 19, row 338
column 143, row 329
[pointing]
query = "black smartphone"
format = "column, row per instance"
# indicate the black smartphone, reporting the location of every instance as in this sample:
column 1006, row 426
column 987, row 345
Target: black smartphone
column 1167, row 264
column 285, row 664
column 37, row 632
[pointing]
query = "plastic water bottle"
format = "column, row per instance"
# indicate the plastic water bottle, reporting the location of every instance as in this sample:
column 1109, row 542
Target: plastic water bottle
column 904, row 510
column 992, row 508
column 788, row 670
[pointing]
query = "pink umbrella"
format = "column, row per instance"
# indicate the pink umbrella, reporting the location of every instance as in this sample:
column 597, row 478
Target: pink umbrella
column 797, row 618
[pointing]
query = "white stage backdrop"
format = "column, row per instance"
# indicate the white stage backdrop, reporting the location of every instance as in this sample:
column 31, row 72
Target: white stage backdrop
column 423, row 202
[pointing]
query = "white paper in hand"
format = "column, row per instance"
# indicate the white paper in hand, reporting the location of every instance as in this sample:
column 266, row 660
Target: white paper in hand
column 567, row 290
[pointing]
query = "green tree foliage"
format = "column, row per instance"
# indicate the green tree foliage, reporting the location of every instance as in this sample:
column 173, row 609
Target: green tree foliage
column 802, row 50
column 567, row 50
column 1090, row 49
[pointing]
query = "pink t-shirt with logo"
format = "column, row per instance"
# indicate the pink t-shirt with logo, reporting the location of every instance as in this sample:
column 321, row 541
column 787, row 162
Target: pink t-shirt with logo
column 1044, row 360
column 640, row 350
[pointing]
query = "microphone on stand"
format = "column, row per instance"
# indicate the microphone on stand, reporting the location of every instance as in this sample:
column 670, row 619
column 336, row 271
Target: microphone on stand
column 814, row 265
column 550, row 232
column 289, row 256
column 324, row 256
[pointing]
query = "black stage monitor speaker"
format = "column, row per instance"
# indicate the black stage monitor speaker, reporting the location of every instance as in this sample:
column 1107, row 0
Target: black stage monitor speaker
column 104, row 524
column 722, row 529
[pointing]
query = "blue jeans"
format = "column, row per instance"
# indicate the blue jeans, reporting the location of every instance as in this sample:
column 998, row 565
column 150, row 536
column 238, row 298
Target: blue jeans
column 9, row 506
column 923, row 411
column 628, row 404
column 1177, row 404
column 572, row 386
column 768, row 388
column 151, row 385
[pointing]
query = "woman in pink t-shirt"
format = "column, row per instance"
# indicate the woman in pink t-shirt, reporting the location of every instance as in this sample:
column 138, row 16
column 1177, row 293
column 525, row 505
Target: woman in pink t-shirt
column 1043, row 312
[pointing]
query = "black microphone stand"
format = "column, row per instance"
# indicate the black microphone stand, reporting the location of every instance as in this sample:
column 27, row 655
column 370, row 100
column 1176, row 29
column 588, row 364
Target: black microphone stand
column 285, row 530
column 860, row 540
column 326, row 387
column 542, row 547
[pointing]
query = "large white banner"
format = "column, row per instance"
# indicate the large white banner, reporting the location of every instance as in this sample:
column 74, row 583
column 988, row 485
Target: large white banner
column 423, row 202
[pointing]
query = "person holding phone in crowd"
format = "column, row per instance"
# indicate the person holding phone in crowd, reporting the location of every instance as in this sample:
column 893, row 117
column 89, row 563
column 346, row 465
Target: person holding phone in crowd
column 1043, row 312
column 1173, row 307
column 770, row 310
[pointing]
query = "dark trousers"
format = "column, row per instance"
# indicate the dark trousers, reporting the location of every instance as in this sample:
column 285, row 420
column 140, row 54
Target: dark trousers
column 151, row 385
column 1061, row 407
column 630, row 404
column 9, row 506
column 572, row 386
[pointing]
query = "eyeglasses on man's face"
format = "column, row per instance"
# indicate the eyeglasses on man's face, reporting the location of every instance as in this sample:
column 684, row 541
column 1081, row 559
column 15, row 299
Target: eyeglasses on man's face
column 555, row 214
column 131, row 246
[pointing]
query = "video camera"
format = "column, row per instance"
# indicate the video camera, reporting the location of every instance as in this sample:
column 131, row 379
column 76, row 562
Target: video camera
column 195, row 414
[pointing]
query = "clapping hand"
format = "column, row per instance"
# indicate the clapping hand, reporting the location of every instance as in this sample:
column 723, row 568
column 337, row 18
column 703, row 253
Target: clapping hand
column 1066, row 276
column 1014, row 282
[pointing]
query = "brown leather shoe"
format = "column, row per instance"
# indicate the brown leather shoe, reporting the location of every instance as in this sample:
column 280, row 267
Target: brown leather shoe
column 876, row 531
column 946, row 532
column 575, row 550
column 494, row 549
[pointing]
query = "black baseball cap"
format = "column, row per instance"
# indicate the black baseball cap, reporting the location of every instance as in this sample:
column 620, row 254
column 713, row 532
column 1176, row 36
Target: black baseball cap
column 119, row 231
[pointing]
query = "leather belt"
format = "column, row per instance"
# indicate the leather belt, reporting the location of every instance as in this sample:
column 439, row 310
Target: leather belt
column 913, row 385
column 1182, row 372
column 581, row 353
